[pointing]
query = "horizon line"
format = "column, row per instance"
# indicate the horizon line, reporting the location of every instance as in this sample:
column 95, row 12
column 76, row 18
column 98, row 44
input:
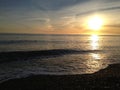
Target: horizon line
column 55, row 34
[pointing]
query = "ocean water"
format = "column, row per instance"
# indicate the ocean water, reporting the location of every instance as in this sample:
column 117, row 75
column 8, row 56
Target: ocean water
column 22, row 55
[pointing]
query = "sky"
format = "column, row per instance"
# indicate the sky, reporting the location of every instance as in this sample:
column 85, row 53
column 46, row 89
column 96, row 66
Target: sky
column 58, row 16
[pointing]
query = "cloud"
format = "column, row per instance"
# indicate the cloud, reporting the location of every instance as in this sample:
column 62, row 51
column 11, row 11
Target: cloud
column 111, row 0
column 55, row 4
column 39, row 4
column 43, row 20
column 114, row 26
column 98, row 10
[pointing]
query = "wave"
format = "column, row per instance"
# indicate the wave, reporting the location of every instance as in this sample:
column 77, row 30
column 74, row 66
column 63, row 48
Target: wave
column 7, row 42
column 21, row 41
column 23, row 55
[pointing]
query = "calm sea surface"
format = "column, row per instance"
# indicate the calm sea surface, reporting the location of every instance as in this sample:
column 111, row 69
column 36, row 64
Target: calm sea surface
column 95, row 53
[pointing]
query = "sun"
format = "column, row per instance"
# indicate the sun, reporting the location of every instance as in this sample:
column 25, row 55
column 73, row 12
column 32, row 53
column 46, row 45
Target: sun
column 95, row 23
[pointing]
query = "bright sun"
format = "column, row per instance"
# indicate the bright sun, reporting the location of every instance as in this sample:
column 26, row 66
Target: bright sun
column 95, row 23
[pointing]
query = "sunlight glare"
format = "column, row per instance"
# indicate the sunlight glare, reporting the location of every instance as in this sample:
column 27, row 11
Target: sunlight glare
column 95, row 23
column 94, row 41
column 96, row 56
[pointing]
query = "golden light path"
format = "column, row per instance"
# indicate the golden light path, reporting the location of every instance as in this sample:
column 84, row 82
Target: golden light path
column 94, row 63
column 95, row 46
column 94, row 42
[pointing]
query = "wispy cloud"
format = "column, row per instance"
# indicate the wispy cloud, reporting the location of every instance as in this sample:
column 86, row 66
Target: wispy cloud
column 99, row 10
column 56, row 4
column 114, row 26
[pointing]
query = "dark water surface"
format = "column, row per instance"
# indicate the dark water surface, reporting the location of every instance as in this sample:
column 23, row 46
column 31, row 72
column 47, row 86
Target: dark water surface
column 23, row 55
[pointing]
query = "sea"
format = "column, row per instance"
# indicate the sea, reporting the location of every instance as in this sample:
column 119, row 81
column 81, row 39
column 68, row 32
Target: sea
column 36, row 54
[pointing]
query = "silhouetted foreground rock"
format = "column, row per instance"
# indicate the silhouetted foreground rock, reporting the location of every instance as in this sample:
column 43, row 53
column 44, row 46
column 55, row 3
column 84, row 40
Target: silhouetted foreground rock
column 108, row 78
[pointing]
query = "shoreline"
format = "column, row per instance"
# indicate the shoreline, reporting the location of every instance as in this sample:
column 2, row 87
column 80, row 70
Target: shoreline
column 108, row 78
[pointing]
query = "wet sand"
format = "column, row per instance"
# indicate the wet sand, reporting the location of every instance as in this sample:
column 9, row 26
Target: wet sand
column 108, row 78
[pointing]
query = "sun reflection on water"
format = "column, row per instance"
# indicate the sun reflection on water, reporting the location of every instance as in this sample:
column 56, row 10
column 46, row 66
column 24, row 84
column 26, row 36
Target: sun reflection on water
column 94, row 42
column 96, row 56
column 94, row 63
